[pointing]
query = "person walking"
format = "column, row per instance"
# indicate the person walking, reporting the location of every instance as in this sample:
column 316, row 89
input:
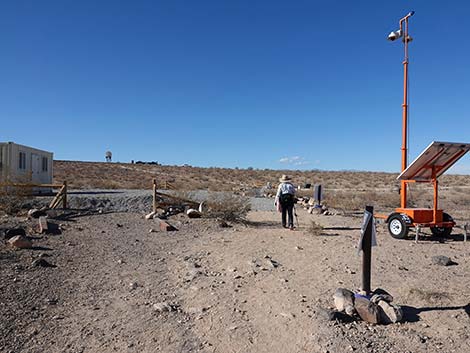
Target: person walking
column 285, row 199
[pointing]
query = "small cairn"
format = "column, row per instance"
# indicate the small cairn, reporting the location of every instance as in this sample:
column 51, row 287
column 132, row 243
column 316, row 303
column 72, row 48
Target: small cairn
column 375, row 308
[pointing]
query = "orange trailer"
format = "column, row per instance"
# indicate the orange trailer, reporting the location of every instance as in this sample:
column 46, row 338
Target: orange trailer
column 437, row 158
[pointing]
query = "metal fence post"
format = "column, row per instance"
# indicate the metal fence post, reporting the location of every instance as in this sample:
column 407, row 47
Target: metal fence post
column 367, row 252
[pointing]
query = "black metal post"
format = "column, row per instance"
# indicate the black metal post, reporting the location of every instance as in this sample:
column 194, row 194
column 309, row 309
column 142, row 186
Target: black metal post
column 367, row 252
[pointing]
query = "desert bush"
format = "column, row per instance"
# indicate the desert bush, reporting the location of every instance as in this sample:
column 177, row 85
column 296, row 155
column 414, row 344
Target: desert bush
column 314, row 228
column 13, row 200
column 228, row 207
column 428, row 296
column 353, row 201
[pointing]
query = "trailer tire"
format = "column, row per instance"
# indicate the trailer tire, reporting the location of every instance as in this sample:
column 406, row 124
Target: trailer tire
column 397, row 227
column 443, row 231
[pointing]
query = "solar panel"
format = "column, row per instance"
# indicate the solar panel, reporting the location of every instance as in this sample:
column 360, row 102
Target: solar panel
column 438, row 155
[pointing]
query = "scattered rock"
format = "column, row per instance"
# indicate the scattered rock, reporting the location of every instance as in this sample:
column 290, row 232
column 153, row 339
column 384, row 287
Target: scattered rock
column 42, row 263
column 273, row 263
column 51, row 213
column 150, row 215
column 166, row 227
column 201, row 207
column 165, row 306
column 344, row 300
column 21, row 242
column 43, row 225
column 348, row 270
column 367, row 310
column 389, row 313
column 223, row 224
column 381, row 294
column 192, row 213
column 442, row 260
column 376, row 298
column 332, row 315
column 10, row 233
column 36, row 213
column 197, row 310
column 133, row 285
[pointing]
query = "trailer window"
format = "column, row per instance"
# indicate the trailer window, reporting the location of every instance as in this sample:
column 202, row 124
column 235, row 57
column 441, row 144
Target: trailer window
column 44, row 164
column 22, row 161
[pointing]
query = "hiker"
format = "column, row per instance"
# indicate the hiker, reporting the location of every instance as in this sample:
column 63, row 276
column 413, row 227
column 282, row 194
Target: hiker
column 285, row 199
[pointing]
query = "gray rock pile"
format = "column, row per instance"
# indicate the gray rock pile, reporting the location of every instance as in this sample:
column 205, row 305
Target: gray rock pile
column 377, row 308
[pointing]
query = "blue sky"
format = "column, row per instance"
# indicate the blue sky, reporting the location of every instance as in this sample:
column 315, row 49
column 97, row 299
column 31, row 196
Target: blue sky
column 267, row 84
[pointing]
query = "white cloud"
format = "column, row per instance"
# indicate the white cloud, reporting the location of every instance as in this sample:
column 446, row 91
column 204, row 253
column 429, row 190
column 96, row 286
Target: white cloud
column 295, row 160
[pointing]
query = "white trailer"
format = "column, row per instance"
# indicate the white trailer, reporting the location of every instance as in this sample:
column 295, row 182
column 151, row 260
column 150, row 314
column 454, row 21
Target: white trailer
column 23, row 164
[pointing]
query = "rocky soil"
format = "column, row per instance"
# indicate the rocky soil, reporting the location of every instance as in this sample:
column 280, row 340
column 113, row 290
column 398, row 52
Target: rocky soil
column 121, row 285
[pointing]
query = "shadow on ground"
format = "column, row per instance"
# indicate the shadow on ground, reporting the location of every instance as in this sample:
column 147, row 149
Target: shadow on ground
column 411, row 314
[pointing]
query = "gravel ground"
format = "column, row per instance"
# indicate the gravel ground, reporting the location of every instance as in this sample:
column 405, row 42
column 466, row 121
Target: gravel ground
column 121, row 285
column 138, row 200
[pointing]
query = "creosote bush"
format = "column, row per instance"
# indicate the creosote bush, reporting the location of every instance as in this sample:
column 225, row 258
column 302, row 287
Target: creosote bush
column 228, row 207
column 314, row 228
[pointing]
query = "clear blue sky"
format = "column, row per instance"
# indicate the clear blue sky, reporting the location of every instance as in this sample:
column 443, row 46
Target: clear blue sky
column 267, row 84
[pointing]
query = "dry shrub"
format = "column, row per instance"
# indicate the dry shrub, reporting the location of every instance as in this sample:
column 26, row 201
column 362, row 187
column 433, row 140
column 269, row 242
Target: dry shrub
column 428, row 296
column 13, row 200
column 314, row 228
column 228, row 207
column 353, row 201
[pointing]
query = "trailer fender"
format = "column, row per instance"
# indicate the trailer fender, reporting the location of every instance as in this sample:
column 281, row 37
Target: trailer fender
column 404, row 216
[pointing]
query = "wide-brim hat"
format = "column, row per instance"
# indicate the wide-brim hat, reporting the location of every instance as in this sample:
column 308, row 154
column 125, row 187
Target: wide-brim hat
column 285, row 178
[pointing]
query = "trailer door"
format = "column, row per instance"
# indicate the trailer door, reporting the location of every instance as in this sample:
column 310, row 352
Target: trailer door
column 35, row 168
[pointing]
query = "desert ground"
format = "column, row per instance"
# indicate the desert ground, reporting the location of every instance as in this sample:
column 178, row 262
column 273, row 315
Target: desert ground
column 117, row 283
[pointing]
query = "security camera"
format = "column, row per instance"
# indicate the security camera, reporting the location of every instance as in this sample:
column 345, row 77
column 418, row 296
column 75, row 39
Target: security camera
column 395, row 35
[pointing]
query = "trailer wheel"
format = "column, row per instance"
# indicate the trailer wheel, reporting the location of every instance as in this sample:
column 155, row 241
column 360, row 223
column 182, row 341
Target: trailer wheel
column 397, row 227
column 443, row 231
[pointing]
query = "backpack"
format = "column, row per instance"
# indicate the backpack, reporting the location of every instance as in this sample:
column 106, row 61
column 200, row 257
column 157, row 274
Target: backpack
column 286, row 198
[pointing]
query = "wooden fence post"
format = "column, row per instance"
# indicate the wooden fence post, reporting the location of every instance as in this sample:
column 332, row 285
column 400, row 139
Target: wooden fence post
column 64, row 197
column 367, row 252
column 154, row 195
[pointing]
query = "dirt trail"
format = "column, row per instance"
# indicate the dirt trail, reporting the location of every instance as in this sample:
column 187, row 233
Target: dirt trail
column 241, row 289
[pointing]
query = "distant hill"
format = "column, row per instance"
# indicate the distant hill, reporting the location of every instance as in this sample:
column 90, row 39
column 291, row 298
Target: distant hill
column 139, row 176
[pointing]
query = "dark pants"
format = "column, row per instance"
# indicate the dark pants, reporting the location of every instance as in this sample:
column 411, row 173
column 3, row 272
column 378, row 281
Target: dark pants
column 288, row 209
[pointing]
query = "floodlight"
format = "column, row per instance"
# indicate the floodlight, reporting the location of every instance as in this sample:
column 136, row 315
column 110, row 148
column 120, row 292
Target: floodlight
column 395, row 35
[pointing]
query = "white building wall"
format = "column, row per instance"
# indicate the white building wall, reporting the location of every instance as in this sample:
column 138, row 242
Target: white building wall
column 25, row 164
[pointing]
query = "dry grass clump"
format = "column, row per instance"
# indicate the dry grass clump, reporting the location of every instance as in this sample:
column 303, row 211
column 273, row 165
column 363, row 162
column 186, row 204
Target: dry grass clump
column 228, row 207
column 428, row 296
column 314, row 228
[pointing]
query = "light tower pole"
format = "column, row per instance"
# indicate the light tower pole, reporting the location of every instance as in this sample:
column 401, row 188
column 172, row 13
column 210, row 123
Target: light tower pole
column 403, row 33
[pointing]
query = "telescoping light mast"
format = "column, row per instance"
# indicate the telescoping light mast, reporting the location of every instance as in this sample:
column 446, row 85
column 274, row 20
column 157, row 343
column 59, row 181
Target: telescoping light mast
column 403, row 33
